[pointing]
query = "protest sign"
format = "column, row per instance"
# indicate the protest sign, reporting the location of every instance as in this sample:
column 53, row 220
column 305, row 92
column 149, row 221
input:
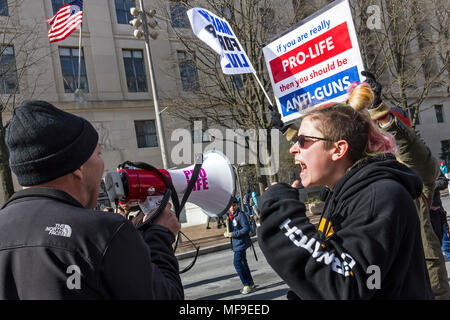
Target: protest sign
column 315, row 61
column 217, row 33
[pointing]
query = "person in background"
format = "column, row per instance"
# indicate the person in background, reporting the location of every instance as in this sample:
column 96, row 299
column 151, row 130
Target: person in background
column 128, row 210
column 413, row 152
column 221, row 221
column 247, row 205
column 254, row 204
column 208, row 221
column 238, row 229
column 446, row 243
column 444, row 170
column 438, row 215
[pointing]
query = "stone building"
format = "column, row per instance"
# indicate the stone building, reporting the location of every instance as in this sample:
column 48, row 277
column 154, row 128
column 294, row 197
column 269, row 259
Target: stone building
column 117, row 96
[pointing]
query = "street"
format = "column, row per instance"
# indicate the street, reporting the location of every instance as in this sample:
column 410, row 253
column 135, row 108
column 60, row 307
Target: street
column 214, row 278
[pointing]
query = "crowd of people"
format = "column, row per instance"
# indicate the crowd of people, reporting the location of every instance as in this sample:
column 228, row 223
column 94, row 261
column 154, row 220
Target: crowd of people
column 382, row 208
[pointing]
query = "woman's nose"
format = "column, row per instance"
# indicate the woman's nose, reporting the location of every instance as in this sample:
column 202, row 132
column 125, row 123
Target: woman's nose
column 294, row 149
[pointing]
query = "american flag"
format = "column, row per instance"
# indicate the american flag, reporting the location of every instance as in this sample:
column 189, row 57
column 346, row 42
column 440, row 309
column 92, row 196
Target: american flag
column 65, row 21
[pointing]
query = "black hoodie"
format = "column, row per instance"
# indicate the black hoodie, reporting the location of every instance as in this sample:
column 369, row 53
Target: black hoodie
column 367, row 244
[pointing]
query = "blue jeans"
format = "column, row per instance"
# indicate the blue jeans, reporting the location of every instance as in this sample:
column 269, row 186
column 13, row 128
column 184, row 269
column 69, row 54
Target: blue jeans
column 446, row 244
column 241, row 266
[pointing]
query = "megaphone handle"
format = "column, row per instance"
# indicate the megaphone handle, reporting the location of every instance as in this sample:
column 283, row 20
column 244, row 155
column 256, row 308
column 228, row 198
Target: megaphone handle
column 162, row 206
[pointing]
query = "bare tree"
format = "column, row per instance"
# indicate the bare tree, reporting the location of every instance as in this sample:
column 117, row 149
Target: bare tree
column 305, row 8
column 21, row 55
column 404, row 50
column 440, row 24
column 235, row 102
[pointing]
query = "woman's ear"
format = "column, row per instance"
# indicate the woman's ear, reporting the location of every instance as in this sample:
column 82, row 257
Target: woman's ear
column 340, row 150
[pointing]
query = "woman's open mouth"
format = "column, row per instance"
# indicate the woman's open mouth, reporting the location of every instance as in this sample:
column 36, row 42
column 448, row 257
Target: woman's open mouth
column 302, row 165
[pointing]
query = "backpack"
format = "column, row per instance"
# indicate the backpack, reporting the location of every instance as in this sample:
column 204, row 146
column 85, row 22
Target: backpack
column 252, row 224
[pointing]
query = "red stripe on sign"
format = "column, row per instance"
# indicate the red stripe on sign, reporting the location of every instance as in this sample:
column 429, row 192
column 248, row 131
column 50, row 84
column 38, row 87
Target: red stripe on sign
column 326, row 46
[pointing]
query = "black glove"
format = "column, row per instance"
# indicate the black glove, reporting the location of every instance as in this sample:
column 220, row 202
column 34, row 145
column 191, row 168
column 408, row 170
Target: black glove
column 375, row 86
column 276, row 121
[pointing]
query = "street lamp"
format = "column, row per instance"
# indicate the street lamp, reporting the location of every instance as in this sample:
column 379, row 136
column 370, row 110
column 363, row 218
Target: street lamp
column 140, row 19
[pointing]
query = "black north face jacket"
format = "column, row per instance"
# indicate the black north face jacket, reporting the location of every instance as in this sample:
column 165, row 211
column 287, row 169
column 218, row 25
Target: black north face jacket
column 53, row 248
column 369, row 230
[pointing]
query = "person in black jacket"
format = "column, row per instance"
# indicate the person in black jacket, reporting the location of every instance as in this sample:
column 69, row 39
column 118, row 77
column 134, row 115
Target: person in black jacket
column 438, row 215
column 52, row 244
column 367, row 244
column 238, row 228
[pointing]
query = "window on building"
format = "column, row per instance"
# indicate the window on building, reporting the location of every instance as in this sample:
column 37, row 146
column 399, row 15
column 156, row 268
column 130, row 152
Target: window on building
column 123, row 11
column 69, row 66
column 145, row 133
column 57, row 4
column 439, row 113
column 188, row 72
column 8, row 71
column 178, row 15
column 135, row 70
column 4, row 8
column 267, row 16
column 425, row 42
column 445, row 150
column 411, row 116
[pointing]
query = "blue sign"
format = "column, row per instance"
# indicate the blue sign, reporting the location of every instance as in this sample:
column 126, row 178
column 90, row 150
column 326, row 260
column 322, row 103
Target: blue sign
column 318, row 92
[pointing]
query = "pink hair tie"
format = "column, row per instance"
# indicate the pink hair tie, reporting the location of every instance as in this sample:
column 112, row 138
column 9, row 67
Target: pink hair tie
column 352, row 87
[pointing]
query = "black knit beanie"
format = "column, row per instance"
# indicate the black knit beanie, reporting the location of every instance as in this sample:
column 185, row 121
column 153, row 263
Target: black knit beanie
column 46, row 143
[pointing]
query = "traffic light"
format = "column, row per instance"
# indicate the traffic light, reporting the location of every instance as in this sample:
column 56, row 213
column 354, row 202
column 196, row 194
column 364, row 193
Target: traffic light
column 139, row 20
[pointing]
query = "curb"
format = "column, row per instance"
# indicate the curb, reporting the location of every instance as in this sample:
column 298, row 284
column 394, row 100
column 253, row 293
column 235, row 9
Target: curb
column 202, row 251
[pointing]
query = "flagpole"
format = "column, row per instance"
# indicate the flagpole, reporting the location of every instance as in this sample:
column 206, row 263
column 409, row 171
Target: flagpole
column 159, row 124
column 267, row 96
column 79, row 58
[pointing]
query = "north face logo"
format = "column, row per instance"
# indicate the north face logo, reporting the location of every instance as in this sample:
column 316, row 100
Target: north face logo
column 63, row 230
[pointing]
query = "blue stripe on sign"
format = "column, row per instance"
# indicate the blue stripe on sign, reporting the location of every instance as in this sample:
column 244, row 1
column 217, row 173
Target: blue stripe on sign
column 319, row 92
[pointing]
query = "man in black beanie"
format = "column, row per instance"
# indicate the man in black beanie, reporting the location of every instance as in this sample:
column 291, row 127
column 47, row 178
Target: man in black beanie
column 52, row 245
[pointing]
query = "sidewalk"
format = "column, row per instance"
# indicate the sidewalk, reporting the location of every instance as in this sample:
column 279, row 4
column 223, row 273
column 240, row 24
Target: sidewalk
column 210, row 240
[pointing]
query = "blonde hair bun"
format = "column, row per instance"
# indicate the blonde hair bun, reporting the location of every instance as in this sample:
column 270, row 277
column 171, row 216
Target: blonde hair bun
column 361, row 96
